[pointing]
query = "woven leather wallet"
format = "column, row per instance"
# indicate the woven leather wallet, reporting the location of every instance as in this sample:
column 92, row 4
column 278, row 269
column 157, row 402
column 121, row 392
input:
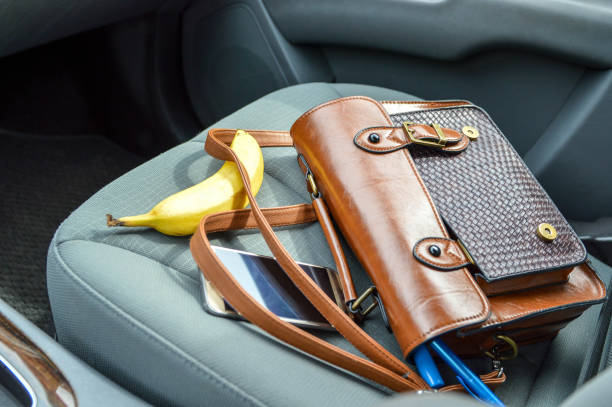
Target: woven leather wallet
column 457, row 236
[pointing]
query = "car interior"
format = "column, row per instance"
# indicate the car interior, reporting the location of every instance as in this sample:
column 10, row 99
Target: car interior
column 105, row 109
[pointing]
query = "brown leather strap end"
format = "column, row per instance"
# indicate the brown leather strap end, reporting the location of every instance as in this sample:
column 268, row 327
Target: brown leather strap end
column 386, row 139
column 440, row 253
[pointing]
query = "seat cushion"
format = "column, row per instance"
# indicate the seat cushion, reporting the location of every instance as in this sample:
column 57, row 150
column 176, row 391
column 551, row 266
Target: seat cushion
column 128, row 302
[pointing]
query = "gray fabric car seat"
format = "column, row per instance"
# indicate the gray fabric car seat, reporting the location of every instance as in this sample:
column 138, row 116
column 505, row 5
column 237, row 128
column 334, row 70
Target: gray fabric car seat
column 128, row 302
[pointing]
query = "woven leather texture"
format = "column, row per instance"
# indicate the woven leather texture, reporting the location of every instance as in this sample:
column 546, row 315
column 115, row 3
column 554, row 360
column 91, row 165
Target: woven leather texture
column 490, row 200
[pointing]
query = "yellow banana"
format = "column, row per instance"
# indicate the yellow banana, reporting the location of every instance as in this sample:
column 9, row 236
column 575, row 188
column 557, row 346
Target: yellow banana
column 179, row 214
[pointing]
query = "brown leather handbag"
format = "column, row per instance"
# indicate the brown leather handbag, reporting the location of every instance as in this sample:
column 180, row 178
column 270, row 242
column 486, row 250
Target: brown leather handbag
column 456, row 234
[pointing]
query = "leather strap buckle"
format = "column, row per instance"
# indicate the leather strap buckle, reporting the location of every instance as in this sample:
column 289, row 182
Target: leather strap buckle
column 314, row 191
column 439, row 143
column 355, row 305
column 503, row 341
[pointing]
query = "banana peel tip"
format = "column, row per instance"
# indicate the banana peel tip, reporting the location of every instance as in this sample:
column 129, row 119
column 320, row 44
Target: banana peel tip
column 110, row 221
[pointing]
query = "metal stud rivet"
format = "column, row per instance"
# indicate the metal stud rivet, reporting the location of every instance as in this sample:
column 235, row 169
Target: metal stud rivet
column 547, row 232
column 374, row 138
column 434, row 250
column 471, row 132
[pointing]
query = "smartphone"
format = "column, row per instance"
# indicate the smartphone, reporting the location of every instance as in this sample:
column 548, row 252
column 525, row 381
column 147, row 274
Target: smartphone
column 264, row 279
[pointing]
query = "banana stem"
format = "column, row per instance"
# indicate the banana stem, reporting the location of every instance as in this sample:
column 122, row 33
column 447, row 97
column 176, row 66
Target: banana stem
column 137, row 220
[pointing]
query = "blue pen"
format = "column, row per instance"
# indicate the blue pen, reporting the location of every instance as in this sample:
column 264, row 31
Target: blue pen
column 468, row 379
column 427, row 367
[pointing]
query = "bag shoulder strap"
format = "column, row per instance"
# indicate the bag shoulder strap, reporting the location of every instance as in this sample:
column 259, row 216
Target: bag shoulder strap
column 383, row 367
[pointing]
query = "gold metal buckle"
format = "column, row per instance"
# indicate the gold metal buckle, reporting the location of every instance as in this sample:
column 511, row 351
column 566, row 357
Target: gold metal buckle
column 440, row 143
column 355, row 306
column 495, row 354
column 547, row 232
column 313, row 185
column 314, row 191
